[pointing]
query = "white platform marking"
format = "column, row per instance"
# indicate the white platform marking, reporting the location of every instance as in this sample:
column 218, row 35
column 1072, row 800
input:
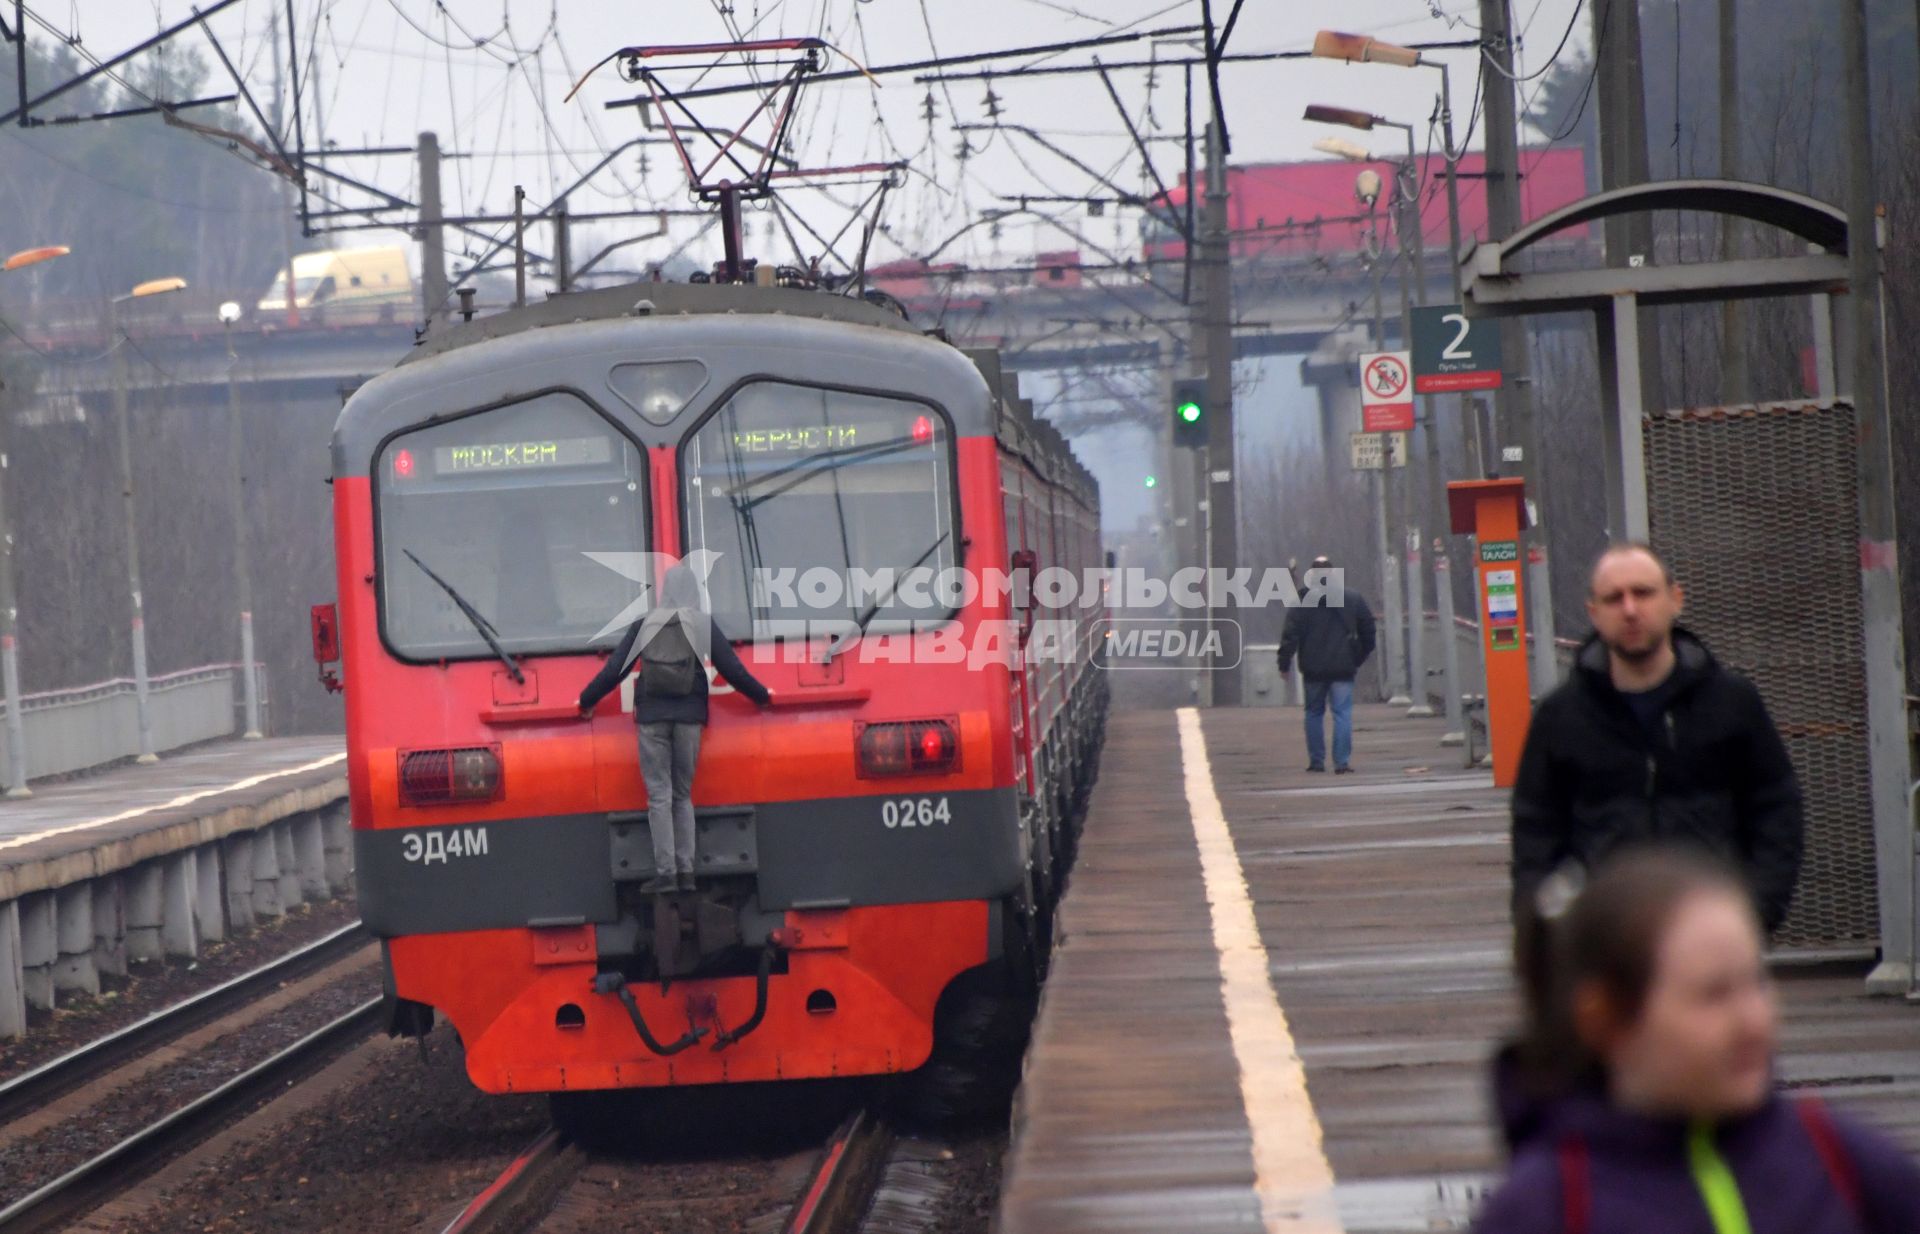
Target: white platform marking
column 184, row 799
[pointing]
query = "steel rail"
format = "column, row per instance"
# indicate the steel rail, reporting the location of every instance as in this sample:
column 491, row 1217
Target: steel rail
column 89, row 1062
column 88, row 1185
column 833, row 1201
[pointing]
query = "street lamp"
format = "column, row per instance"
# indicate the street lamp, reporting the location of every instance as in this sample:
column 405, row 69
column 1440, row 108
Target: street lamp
column 237, row 511
column 9, row 606
column 152, row 287
column 1340, row 147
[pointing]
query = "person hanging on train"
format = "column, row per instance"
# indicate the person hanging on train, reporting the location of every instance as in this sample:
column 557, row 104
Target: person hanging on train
column 672, row 643
column 1650, row 738
column 1642, row 1098
column 1332, row 641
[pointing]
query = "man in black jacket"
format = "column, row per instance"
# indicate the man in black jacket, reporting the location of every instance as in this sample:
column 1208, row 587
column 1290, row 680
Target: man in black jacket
column 1332, row 641
column 1651, row 740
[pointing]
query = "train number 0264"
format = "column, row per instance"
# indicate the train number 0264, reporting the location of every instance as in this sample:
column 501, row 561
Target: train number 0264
column 915, row 811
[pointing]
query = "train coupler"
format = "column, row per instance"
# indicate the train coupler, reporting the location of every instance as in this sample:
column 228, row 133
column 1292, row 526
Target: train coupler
column 616, row 984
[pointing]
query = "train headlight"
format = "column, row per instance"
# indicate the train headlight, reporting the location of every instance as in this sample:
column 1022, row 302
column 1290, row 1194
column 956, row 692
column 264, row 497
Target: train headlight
column 449, row 777
column 906, row 748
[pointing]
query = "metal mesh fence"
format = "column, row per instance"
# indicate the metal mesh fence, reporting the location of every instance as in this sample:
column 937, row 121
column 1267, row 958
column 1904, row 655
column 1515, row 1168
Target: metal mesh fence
column 1755, row 509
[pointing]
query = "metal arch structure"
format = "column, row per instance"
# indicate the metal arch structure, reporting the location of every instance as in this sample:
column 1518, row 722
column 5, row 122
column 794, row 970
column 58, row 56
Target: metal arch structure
column 1811, row 219
column 1493, row 287
column 1496, row 287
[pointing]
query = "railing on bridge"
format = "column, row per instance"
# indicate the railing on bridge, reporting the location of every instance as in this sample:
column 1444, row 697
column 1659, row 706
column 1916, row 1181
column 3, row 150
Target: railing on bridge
column 89, row 726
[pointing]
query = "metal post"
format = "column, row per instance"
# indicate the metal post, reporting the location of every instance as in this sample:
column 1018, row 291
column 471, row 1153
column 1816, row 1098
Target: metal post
column 1456, row 733
column 9, row 650
column 730, row 231
column 519, row 246
column 1513, row 401
column 1826, row 381
column 1408, row 218
column 1623, row 443
column 562, row 248
column 434, row 289
column 1735, row 383
column 1217, row 482
column 1391, row 659
column 116, row 345
column 1887, row 753
column 242, row 566
column 1436, row 472
column 20, row 55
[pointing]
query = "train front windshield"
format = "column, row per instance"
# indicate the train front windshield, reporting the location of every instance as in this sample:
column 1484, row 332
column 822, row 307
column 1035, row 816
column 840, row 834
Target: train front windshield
column 522, row 512
column 786, row 481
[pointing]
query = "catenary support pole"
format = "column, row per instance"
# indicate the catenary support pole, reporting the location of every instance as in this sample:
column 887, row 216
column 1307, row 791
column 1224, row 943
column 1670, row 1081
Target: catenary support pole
column 116, row 344
column 1513, row 401
column 1888, row 759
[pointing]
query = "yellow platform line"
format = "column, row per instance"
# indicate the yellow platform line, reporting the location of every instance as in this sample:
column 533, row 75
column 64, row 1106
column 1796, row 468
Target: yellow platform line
column 1291, row 1175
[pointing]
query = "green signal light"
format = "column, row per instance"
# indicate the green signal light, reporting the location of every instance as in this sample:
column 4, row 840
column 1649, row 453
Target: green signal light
column 1151, row 481
column 1189, row 412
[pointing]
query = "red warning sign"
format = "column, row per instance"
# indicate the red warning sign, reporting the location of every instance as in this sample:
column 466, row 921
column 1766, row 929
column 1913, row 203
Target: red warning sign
column 1386, row 392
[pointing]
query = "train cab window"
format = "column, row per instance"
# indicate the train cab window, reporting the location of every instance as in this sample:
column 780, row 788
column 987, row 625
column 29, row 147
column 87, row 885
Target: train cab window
column 784, row 479
column 512, row 508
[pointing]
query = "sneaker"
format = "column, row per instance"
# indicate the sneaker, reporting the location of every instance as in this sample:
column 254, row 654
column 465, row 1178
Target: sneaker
column 686, row 880
column 1316, row 767
column 1343, row 771
column 660, row 885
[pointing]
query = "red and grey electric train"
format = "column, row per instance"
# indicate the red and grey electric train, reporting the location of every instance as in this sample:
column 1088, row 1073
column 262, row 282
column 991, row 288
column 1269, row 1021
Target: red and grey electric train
column 896, row 821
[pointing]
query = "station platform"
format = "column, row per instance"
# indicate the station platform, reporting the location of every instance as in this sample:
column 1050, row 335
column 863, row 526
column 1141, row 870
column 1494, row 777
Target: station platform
column 142, row 861
column 1277, row 993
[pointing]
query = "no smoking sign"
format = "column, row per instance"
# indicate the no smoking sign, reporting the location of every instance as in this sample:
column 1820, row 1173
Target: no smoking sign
column 1386, row 392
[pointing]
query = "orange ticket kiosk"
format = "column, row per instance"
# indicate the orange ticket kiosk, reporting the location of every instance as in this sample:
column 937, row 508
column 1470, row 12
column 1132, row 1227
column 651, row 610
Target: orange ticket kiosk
column 1494, row 512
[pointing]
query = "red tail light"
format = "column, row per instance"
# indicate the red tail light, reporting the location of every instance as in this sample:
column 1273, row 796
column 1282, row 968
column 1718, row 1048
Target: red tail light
column 444, row 777
column 907, row 748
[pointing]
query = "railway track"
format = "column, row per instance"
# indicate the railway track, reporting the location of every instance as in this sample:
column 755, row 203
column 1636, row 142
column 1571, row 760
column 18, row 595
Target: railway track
column 124, row 1164
column 42, row 1084
column 539, row 1187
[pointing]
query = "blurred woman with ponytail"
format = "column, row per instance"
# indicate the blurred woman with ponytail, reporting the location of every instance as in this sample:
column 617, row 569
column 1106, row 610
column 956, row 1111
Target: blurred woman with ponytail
column 1642, row 1097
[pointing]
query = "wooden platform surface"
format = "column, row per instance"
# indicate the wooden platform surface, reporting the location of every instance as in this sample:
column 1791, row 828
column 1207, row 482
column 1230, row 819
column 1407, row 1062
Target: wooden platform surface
column 1381, row 901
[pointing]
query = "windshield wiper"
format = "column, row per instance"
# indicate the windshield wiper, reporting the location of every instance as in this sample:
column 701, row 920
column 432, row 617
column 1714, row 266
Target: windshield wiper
column 860, row 624
column 472, row 614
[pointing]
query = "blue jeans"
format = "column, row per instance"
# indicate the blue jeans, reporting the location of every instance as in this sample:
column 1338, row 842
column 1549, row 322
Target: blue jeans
column 1318, row 694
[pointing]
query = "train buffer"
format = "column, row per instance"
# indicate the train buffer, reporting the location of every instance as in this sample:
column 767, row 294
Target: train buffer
column 140, row 862
column 1277, row 992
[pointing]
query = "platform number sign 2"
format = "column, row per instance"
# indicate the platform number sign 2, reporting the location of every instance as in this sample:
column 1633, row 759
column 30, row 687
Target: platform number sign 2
column 1452, row 351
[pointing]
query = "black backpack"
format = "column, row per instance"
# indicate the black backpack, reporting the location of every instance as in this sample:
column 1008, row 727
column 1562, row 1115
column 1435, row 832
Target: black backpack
column 669, row 667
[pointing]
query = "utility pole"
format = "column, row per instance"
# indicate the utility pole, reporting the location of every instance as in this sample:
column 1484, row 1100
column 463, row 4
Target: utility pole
column 1735, row 383
column 1390, row 659
column 9, row 639
column 1213, row 357
column 237, row 512
column 1437, row 508
column 1407, row 219
column 1622, row 89
column 1513, row 401
column 432, row 235
column 286, row 192
column 116, row 347
column 1886, row 670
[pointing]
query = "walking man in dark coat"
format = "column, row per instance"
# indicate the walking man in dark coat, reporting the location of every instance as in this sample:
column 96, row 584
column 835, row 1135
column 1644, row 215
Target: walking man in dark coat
column 1332, row 641
column 1650, row 739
